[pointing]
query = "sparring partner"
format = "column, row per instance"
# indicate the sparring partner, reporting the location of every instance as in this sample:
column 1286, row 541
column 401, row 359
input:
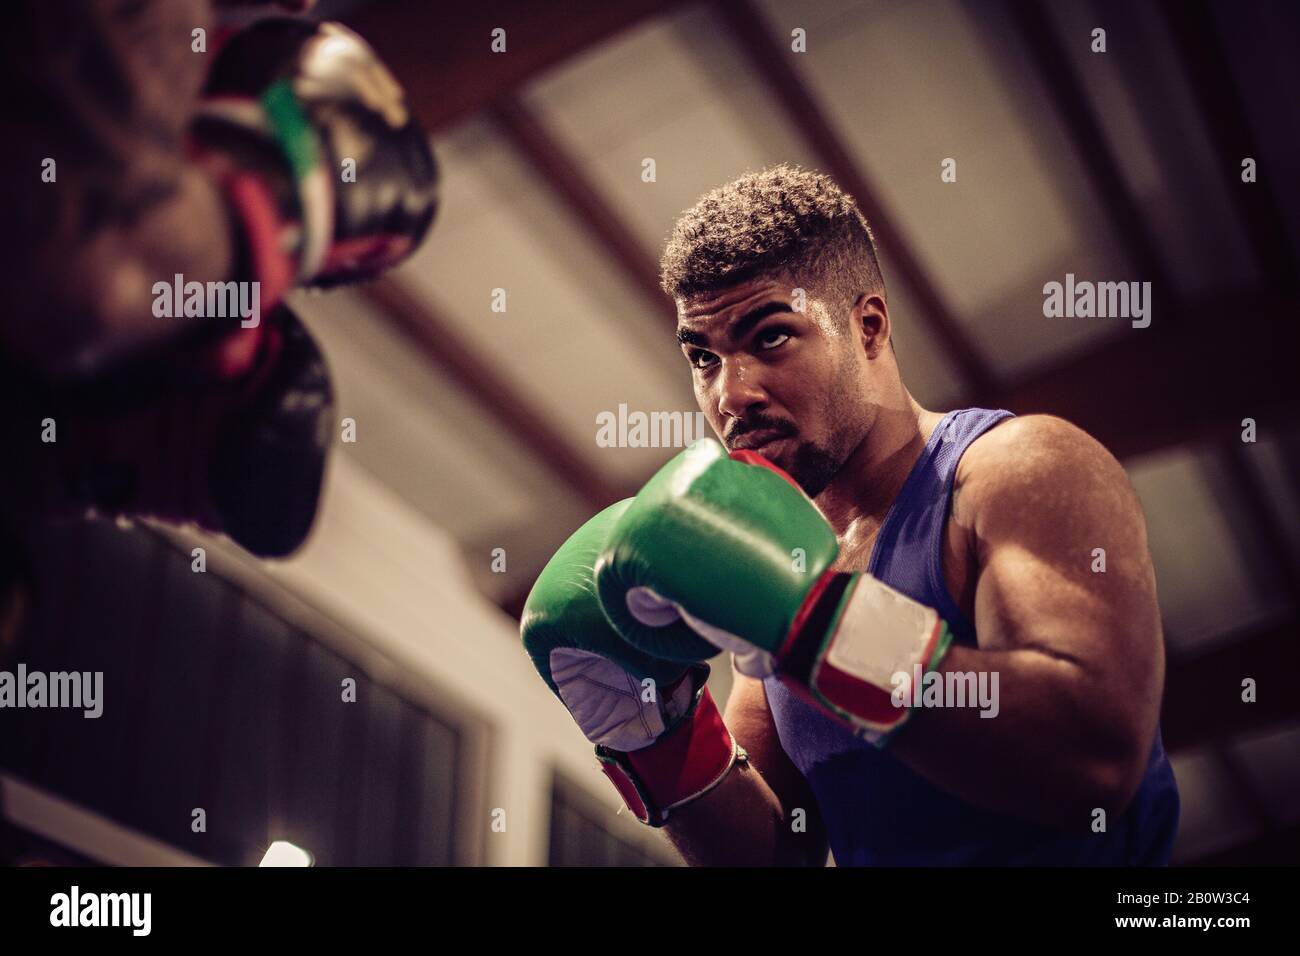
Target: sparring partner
column 932, row 665
column 137, row 161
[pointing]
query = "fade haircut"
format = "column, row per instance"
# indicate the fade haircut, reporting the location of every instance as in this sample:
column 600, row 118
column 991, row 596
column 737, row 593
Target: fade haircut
column 783, row 222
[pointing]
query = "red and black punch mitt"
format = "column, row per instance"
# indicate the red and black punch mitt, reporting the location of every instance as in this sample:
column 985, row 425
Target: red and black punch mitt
column 230, row 435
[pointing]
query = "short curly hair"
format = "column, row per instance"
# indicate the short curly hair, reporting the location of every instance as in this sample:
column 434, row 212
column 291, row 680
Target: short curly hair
column 782, row 221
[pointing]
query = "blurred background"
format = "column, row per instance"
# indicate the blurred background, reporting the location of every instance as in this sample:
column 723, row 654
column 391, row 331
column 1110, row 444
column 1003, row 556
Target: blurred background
column 476, row 450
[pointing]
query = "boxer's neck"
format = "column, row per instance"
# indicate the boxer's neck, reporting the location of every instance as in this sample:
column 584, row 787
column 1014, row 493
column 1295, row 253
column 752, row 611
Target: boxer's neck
column 858, row 498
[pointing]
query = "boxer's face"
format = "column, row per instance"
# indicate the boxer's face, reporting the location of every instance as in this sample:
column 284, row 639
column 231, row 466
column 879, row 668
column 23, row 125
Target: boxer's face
column 792, row 386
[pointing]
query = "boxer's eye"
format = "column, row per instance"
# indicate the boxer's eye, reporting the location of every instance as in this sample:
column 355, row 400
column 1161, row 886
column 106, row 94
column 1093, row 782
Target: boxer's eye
column 701, row 359
column 772, row 338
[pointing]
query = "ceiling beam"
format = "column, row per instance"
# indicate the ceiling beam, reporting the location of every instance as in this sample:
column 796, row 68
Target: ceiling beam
column 607, row 228
column 1070, row 100
column 1212, row 81
column 1235, row 775
column 1267, row 524
column 770, row 61
column 1190, row 375
column 1203, row 705
column 441, row 52
column 517, row 414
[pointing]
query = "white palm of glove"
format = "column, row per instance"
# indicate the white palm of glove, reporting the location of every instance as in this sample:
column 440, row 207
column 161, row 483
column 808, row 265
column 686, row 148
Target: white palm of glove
column 654, row 610
column 610, row 705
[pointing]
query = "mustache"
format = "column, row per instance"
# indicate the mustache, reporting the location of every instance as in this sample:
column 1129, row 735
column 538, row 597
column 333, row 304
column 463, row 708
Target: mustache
column 758, row 423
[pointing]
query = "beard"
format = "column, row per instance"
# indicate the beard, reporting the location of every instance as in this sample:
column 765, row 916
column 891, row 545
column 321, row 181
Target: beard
column 813, row 467
column 815, row 464
column 810, row 464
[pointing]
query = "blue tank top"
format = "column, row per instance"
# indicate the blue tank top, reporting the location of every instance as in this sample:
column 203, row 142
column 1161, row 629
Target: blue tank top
column 876, row 810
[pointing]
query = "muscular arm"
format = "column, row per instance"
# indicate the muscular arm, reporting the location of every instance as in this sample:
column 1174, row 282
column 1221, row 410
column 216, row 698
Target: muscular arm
column 1078, row 653
column 747, row 820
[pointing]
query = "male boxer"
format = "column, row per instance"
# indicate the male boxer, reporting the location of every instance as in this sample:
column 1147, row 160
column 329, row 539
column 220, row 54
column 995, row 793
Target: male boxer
column 863, row 558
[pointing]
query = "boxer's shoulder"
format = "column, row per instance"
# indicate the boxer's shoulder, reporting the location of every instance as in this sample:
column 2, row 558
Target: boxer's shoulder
column 1033, row 464
column 1028, row 448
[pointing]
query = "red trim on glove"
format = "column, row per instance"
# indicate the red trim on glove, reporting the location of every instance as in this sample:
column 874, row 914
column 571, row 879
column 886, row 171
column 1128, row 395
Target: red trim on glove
column 626, row 789
column 256, row 216
column 263, row 233
column 805, row 611
column 867, row 702
column 754, row 458
column 682, row 765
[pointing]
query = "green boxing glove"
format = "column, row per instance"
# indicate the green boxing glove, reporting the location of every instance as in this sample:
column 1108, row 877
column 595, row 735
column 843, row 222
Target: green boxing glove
column 658, row 734
column 729, row 553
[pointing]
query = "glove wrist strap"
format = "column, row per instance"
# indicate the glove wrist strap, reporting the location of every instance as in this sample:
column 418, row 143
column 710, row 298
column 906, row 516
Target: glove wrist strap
column 687, row 762
column 851, row 649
